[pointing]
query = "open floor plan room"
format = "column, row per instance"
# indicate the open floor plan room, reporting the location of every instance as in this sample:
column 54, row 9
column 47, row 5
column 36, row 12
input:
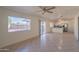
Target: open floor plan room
column 39, row 29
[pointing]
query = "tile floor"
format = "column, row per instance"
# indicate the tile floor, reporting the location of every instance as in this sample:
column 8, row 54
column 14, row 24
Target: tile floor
column 50, row 42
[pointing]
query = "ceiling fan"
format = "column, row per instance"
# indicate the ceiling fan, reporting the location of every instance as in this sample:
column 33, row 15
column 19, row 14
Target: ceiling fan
column 47, row 9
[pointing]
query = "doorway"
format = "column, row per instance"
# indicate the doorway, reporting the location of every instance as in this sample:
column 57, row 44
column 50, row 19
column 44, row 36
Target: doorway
column 65, row 27
column 42, row 27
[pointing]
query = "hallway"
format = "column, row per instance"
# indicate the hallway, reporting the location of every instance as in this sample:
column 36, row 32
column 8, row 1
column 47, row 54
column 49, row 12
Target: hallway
column 51, row 42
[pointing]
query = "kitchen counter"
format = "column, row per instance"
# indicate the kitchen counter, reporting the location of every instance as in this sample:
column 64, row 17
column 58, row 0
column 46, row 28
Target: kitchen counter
column 58, row 30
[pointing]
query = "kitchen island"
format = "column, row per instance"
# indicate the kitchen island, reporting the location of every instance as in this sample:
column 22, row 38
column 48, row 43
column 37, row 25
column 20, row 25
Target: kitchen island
column 58, row 30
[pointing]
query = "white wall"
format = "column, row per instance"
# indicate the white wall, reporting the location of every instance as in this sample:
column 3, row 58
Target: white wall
column 76, row 30
column 48, row 26
column 71, row 25
column 7, row 38
column 1, row 30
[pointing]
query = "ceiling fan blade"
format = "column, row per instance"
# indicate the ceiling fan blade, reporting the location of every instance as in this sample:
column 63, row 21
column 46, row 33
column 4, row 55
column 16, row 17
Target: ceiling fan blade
column 49, row 11
column 51, row 8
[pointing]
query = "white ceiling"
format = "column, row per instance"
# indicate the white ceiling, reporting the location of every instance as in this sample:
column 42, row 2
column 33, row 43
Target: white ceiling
column 65, row 11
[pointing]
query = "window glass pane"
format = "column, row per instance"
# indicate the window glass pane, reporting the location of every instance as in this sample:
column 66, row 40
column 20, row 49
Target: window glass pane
column 18, row 24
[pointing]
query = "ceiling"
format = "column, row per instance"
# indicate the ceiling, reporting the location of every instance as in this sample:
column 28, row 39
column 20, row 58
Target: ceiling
column 65, row 11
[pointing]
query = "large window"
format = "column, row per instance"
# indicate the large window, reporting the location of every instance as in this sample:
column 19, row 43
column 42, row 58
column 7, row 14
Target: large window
column 18, row 24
